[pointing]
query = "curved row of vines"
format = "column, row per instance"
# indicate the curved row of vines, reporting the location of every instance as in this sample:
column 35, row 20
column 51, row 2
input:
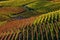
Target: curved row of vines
column 42, row 22
column 45, row 27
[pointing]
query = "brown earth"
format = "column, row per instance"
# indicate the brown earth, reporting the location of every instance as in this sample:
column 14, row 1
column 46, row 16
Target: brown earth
column 17, row 23
column 6, row 10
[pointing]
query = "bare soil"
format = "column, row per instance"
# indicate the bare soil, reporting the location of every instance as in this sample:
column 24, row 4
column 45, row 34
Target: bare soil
column 17, row 24
column 15, row 10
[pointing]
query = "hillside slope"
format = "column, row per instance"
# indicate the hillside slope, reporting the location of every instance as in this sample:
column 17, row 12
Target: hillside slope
column 29, row 20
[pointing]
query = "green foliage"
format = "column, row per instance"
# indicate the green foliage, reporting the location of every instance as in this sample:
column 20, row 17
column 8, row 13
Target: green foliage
column 44, row 27
column 15, row 3
column 49, row 17
column 45, row 7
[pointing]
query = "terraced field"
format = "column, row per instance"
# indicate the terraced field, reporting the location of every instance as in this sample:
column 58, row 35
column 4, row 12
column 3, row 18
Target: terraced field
column 29, row 20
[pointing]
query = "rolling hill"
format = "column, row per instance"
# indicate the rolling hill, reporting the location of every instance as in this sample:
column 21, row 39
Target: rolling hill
column 29, row 20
